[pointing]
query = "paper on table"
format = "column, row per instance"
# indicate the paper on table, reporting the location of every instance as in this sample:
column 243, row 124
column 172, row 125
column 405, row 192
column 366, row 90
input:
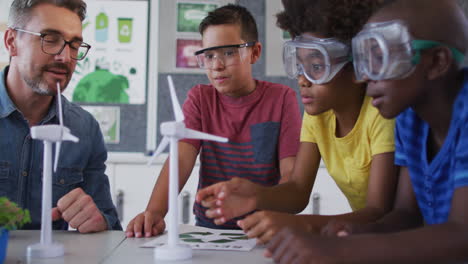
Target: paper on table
column 209, row 239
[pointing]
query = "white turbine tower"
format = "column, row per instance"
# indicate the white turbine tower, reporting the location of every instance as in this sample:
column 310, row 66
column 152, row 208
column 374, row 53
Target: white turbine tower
column 49, row 134
column 172, row 132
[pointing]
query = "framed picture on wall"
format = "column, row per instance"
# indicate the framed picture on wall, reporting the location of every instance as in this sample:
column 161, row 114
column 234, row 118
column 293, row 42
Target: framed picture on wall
column 190, row 14
column 179, row 37
column 185, row 52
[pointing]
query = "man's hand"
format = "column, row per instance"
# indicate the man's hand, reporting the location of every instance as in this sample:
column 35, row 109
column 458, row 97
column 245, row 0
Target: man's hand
column 263, row 225
column 229, row 199
column 79, row 210
column 147, row 223
column 296, row 246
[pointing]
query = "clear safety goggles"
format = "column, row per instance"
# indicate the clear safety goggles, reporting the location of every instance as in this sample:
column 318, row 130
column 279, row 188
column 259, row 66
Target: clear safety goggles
column 319, row 60
column 227, row 55
column 386, row 50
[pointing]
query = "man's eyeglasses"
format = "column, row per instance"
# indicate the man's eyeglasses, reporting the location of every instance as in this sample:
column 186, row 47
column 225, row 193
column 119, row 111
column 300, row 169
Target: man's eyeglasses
column 54, row 43
column 228, row 55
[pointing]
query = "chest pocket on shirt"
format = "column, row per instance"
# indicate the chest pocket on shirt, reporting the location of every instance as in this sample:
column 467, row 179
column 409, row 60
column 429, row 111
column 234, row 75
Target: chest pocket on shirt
column 4, row 175
column 65, row 180
column 356, row 183
column 265, row 140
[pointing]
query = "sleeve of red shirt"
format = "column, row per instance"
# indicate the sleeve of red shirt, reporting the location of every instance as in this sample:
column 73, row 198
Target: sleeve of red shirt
column 288, row 142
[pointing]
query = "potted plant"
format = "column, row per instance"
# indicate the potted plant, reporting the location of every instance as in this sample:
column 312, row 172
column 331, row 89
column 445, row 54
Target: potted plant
column 11, row 218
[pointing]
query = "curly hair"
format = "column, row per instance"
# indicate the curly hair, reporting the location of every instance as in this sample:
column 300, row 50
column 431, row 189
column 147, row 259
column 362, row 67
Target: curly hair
column 340, row 19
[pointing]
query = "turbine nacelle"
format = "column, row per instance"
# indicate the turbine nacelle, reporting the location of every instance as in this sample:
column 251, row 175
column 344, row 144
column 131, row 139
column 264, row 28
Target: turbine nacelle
column 52, row 133
column 173, row 129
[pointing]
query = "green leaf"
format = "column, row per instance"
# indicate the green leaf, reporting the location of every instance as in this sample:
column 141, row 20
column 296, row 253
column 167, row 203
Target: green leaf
column 11, row 216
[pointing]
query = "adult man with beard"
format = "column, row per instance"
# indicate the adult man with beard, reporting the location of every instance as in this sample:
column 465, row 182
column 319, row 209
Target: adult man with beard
column 44, row 40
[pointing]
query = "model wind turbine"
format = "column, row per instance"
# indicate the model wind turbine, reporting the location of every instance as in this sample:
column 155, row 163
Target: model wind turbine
column 49, row 134
column 172, row 131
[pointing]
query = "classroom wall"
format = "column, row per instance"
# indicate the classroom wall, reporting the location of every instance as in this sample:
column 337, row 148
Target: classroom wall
column 136, row 142
column 183, row 82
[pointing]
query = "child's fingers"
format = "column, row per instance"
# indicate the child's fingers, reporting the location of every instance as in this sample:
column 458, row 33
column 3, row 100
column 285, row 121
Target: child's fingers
column 220, row 220
column 148, row 224
column 208, row 201
column 214, row 213
column 208, row 191
column 332, row 228
column 249, row 222
column 129, row 232
column 138, row 225
column 265, row 237
column 342, row 233
column 273, row 245
column 281, row 246
column 158, row 227
column 257, row 229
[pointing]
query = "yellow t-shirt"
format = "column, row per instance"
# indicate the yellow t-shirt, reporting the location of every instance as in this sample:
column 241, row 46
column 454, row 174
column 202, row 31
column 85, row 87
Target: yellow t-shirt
column 348, row 159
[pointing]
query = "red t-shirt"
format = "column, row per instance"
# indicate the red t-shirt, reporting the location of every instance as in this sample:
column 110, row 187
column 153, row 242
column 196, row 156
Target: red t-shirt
column 262, row 127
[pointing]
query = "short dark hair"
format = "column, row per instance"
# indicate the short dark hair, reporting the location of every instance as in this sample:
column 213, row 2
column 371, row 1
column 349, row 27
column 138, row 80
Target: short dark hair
column 340, row 19
column 232, row 14
column 21, row 9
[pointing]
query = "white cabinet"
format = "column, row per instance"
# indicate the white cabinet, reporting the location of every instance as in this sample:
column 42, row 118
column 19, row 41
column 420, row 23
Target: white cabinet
column 133, row 180
column 130, row 177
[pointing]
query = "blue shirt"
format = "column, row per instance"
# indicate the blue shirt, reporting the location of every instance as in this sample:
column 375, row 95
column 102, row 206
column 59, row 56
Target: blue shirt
column 80, row 164
column 435, row 182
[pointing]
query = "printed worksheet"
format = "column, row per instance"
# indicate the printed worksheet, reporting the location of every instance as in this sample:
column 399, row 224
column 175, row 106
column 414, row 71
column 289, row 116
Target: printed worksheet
column 207, row 238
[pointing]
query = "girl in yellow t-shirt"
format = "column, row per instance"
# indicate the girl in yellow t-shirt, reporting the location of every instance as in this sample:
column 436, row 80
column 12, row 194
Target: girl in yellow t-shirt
column 340, row 126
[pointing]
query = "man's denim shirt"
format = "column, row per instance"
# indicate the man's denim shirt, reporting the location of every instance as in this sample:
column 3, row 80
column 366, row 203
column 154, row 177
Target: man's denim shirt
column 80, row 164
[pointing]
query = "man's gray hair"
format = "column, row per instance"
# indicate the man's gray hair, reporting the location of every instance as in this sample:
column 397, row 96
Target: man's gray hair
column 20, row 10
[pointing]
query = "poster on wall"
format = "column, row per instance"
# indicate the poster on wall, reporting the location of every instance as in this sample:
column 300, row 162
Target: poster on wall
column 115, row 69
column 188, row 40
column 185, row 53
column 179, row 35
column 190, row 14
column 108, row 118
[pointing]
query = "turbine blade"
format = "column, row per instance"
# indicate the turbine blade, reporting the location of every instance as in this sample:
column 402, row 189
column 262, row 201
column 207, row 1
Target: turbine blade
column 70, row 137
column 190, row 133
column 57, row 154
column 179, row 115
column 162, row 146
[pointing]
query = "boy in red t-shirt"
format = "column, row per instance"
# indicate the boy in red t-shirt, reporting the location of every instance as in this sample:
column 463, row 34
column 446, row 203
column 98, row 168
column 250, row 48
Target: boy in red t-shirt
column 261, row 120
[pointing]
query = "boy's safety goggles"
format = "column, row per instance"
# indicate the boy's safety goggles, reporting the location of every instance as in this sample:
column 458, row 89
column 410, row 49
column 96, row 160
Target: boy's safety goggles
column 386, row 50
column 227, row 55
column 319, row 60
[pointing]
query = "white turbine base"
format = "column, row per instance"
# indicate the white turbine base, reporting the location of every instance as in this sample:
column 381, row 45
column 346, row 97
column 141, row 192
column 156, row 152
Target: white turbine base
column 177, row 252
column 40, row 250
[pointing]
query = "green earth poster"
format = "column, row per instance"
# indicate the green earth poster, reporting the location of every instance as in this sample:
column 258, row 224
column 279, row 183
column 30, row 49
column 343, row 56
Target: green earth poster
column 115, row 69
